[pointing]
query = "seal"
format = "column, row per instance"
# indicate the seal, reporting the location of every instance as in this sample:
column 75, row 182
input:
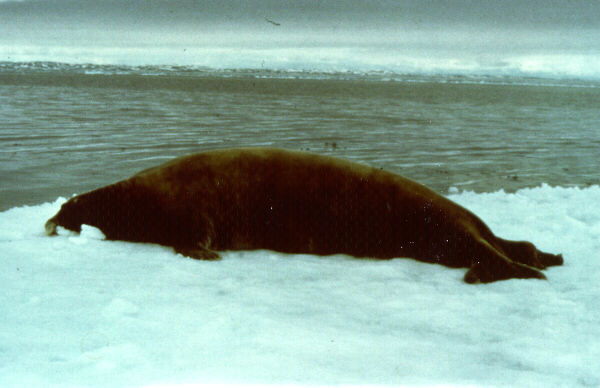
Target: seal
column 297, row 202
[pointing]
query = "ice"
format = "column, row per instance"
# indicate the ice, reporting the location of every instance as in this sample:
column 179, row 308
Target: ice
column 78, row 310
column 323, row 59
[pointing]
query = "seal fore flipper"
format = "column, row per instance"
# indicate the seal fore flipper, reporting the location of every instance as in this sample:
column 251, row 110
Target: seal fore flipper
column 198, row 253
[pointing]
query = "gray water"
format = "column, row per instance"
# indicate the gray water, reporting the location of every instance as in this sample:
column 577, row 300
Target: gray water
column 64, row 131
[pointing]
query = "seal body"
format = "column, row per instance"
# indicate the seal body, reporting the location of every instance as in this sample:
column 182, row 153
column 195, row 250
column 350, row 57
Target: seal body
column 296, row 202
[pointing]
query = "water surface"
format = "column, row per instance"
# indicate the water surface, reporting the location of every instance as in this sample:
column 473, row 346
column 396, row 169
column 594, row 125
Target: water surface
column 66, row 129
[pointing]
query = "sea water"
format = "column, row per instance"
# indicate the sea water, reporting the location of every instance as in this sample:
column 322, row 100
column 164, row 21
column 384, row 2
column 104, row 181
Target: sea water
column 69, row 128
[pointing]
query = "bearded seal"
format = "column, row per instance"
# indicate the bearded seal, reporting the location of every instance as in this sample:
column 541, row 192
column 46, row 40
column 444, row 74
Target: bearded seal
column 297, row 202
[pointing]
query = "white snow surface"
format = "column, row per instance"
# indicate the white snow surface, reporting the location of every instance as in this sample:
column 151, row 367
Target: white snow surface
column 78, row 310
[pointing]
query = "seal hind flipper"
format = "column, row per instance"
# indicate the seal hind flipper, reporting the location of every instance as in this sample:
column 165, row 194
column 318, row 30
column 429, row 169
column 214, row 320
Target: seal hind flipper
column 526, row 253
column 489, row 265
column 480, row 273
column 198, row 253
column 549, row 259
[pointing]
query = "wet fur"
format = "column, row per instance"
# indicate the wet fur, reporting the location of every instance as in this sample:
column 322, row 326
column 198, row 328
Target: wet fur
column 295, row 202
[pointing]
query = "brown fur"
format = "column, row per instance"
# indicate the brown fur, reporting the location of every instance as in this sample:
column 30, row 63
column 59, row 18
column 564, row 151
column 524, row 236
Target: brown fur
column 262, row 198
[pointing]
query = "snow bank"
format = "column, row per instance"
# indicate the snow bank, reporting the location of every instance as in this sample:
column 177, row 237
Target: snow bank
column 81, row 311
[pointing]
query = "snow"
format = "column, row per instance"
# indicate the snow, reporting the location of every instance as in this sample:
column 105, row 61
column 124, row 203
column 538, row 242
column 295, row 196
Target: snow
column 81, row 311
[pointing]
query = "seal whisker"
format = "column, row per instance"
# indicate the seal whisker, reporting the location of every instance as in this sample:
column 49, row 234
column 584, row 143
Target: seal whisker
column 50, row 228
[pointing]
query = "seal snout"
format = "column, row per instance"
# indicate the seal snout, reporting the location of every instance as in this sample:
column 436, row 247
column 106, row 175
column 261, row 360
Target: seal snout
column 50, row 228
